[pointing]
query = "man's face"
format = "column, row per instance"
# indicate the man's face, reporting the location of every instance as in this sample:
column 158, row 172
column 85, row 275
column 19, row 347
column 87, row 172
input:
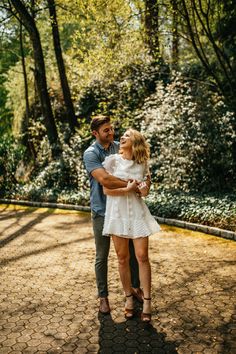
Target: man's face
column 105, row 134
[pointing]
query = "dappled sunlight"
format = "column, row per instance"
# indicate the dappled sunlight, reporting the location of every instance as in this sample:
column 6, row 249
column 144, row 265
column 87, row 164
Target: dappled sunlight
column 48, row 286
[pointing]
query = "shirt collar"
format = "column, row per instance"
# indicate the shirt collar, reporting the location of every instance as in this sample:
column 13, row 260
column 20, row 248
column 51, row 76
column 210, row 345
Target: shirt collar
column 101, row 147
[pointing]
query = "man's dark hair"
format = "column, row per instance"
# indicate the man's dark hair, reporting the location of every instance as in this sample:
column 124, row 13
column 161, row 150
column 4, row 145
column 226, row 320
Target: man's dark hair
column 97, row 121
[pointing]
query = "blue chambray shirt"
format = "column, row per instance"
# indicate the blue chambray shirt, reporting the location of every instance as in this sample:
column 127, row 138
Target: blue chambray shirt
column 93, row 158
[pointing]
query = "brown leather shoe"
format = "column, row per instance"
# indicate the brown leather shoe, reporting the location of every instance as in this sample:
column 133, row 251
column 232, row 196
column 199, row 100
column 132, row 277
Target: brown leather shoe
column 104, row 307
column 138, row 294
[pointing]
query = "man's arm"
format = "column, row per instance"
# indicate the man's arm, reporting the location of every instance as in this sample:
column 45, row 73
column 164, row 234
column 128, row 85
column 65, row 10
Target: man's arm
column 131, row 187
column 111, row 182
column 107, row 180
column 94, row 166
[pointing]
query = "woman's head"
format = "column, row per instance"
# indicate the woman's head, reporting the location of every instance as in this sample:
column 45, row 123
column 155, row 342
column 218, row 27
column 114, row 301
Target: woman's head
column 134, row 140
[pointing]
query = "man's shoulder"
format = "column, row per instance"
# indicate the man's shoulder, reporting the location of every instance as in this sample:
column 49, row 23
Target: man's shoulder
column 91, row 148
column 94, row 147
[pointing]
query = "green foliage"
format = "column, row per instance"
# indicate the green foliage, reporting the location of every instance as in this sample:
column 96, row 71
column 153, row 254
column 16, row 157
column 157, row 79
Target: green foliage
column 106, row 39
column 191, row 136
column 11, row 153
column 210, row 28
column 14, row 86
column 218, row 210
column 5, row 113
column 61, row 180
column 125, row 94
column 189, row 127
column 9, row 55
column 226, row 29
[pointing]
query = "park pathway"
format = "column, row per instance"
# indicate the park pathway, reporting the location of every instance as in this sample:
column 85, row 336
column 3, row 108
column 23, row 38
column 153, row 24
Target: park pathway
column 48, row 297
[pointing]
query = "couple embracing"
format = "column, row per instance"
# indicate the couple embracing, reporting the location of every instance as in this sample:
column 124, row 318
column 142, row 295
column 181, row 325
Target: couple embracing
column 119, row 178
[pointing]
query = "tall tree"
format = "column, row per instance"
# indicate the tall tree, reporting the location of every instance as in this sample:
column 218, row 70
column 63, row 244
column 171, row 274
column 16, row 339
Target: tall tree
column 200, row 18
column 27, row 105
column 40, row 74
column 175, row 35
column 9, row 55
column 61, row 67
column 25, row 121
column 152, row 27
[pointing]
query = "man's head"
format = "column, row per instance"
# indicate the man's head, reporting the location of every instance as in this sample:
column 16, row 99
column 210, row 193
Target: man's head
column 102, row 130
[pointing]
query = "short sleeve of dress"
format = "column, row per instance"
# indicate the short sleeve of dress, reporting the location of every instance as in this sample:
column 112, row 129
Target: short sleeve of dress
column 109, row 163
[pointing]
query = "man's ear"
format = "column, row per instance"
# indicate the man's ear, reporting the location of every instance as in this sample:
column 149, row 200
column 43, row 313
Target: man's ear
column 95, row 133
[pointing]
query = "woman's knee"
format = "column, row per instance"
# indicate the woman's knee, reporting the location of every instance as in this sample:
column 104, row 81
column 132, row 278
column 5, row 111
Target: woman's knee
column 123, row 259
column 142, row 257
column 122, row 250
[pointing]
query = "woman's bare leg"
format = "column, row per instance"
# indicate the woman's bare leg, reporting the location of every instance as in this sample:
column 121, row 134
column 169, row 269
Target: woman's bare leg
column 141, row 251
column 122, row 250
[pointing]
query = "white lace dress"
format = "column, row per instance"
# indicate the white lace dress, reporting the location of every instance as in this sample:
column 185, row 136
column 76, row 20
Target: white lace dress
column 127, row 216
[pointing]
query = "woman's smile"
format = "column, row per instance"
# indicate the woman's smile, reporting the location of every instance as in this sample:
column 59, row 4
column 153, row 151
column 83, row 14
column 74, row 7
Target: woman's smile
column 125, row 140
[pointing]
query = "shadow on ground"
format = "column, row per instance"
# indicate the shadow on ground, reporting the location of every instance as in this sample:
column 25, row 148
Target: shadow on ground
column 131, row 337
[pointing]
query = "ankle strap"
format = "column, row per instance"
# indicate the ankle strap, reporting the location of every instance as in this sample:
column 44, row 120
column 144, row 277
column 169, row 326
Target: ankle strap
column 128, row 295
column 147, row 298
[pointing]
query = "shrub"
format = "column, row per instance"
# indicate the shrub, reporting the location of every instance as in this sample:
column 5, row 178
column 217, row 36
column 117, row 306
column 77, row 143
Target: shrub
column 11, row 153
column 126, row 92
column 191, row 136
column 218, row 210
column 55, row 180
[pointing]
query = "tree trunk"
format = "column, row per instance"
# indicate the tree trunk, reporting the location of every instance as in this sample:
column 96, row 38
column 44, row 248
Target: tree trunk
column 223, row 73
column 175, row 35
column 27, row 107
column 152, row 28
column 40, row 75
column 61, row 67
column 25, row 124
column 197, row 45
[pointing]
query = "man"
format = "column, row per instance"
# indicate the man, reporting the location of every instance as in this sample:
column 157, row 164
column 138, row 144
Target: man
column 105, row 145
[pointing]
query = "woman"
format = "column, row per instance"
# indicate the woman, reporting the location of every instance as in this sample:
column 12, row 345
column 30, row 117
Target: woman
column 127, row 216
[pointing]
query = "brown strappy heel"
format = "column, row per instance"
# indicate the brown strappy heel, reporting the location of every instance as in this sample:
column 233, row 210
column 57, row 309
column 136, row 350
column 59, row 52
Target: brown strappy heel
column 129, row 313
column 146, row 317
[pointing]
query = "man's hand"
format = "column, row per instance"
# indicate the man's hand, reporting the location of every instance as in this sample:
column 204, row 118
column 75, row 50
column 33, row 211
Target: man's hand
column 144, row 186
column 143, row 189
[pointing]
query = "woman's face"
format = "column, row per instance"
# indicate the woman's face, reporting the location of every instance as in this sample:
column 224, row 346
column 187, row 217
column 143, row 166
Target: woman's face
column 126, row 141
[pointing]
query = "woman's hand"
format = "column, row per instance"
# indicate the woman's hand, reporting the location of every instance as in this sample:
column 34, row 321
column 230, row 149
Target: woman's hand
column 131, row 185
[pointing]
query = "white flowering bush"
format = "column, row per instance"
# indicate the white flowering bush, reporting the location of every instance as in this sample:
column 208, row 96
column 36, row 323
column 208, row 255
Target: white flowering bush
column 191, row 136
column 63, row 180
column 11, row 153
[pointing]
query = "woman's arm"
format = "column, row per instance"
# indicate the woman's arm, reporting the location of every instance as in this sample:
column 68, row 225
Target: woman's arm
column 115, row 192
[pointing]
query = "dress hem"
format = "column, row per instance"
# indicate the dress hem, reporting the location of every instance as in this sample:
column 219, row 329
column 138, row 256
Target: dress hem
column 126, row 236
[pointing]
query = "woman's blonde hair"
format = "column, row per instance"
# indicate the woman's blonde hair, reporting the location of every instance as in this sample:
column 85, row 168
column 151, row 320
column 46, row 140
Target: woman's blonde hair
column 140, row 147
